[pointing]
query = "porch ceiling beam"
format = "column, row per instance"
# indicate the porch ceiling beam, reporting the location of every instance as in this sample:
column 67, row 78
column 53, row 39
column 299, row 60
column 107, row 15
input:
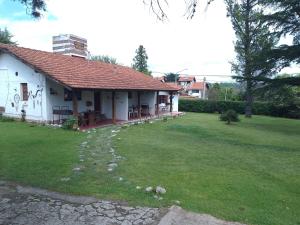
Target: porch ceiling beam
column 171, row 102
column 75, row 104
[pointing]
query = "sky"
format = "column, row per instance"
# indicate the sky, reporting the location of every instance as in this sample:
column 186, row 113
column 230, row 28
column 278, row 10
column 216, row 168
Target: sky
column 201, row 46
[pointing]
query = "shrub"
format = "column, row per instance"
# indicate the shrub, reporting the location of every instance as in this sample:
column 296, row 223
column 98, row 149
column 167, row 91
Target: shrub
column 23, row 115
column 70, row 123
column 229, row 116
column 6, row 119
column 259, row 108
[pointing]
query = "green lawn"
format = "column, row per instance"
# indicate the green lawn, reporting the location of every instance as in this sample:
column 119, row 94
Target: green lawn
column 247, row 172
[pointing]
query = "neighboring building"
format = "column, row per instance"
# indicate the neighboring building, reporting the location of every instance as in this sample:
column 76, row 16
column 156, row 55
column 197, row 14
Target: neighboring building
column 161, row 79
column 198, row 89
column 48, row 87
column 186, row 81
column 69, row 44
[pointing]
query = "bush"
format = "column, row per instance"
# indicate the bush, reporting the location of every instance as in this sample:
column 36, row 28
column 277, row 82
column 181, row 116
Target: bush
column 229, row 116
column 70, row 123
column 259, row 108
column 6, row 119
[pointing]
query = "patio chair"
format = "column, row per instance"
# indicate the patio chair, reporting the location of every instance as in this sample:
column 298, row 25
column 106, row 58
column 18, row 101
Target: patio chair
column 82, row 120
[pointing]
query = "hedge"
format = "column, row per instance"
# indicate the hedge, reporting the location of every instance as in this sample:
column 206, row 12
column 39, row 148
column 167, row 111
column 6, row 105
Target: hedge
column 259, row 108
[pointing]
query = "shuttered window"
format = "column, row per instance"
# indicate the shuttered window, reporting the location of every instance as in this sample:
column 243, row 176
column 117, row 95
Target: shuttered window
column 24, row 92
column 162, row 99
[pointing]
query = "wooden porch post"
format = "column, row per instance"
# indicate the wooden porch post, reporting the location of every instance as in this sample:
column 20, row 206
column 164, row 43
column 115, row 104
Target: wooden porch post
column 171, row 102
column 139, row 105
column 157, row 103
column 113, row 107
column 75, row 104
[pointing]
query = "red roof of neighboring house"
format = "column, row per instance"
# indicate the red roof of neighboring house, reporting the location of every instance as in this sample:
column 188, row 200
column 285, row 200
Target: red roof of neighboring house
column 77, row 72
column 196, row 86
column 174, row 85
column 186, row 78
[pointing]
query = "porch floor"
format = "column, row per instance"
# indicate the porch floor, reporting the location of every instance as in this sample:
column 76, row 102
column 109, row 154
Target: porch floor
column 109, row 122
column 102, row 123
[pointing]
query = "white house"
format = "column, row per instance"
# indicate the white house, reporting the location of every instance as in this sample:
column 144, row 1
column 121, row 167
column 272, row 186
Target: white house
column 198, row 89
column 49, row 87
column 186, row 81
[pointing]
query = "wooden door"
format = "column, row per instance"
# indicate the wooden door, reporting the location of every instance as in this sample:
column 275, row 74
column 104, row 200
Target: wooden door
column 97, row 101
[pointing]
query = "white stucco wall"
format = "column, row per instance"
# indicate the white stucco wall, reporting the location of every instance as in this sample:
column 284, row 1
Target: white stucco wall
column 106, row 104
column 122, row 105
column 175, row 102
column 58, row 99
column 121, row 101
column 149, row 98
column 12, row 73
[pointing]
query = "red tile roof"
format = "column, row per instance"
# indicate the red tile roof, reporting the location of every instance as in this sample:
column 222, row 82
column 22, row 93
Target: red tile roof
column 77, row 72
column 196, row 86
column 174, row 85
column 186, row 78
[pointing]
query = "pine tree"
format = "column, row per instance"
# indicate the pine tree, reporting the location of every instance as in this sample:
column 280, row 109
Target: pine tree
column 140, row 61
column 253, row 43
column 284, row 18
column 6, row 36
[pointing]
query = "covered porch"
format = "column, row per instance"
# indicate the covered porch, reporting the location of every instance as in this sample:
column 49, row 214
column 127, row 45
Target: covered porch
column 96, row 107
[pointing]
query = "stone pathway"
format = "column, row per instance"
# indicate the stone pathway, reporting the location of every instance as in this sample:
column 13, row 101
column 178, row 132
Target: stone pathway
column 32, row 206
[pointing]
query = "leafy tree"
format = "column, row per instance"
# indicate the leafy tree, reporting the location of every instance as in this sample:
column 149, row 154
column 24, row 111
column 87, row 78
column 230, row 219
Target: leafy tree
column 254, row 41
column 34, row 7
column 224, row 92
column 140, row 60
column 105, row 59
column 171, row 77
column 6, row 36
column 214, row 92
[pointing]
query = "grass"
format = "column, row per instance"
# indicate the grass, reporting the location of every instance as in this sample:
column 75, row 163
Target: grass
column 36, row 155
column 247, row 172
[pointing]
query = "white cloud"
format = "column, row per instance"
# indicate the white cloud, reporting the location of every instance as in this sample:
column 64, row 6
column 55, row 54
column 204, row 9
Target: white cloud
column 203, row 45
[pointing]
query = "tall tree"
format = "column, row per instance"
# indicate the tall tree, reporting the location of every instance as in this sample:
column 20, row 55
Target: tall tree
column 6, row 37
column 105, row 59
column 284, row 18
column 253, row 42
column 171, row 77
column 140, row 60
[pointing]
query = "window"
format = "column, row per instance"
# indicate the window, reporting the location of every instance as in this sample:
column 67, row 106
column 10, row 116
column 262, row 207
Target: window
column 195, row 91
column 68, row 95
column 162, row 99
column 24, row 92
